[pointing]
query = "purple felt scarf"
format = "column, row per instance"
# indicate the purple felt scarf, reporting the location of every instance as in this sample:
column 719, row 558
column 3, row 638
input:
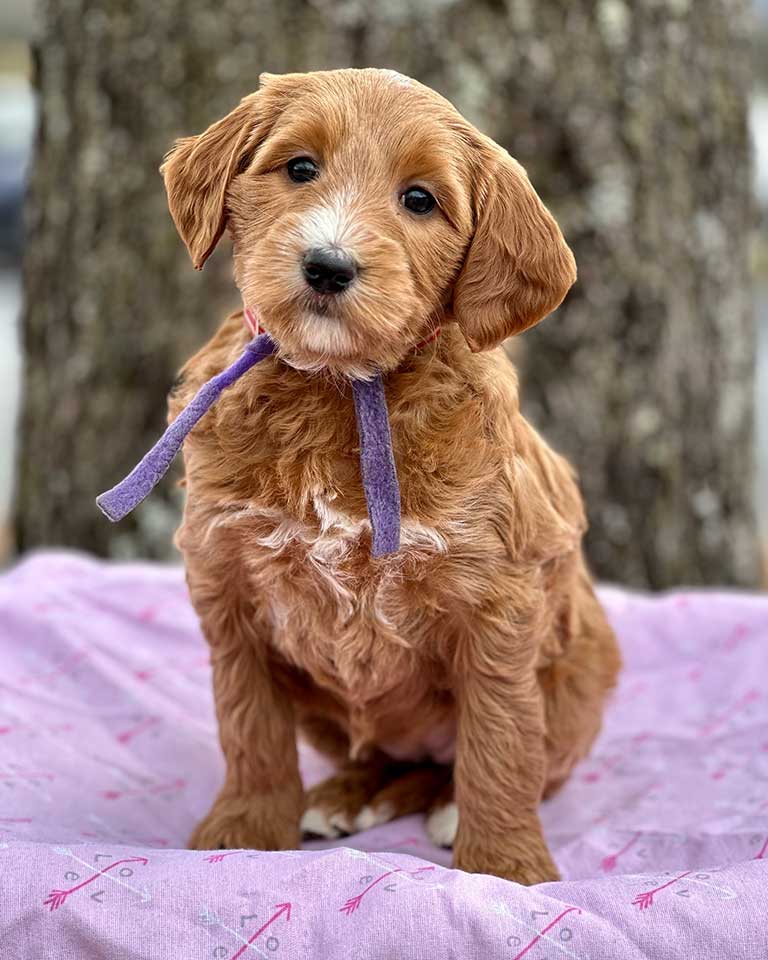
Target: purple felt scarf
column 377, row 464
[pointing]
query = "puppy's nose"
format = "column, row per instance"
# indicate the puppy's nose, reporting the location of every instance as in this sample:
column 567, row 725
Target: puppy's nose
column 328, row 270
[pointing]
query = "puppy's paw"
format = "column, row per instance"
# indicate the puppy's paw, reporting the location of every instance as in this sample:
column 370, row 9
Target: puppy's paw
column 318, row 822
column 526, row 871
column 520, row 855
column 254, row 823
column 333, row 806
column 442, row 824
column 362, row 796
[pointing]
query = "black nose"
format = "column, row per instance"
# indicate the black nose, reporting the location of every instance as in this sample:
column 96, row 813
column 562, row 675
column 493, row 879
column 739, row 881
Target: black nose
column 329, row 270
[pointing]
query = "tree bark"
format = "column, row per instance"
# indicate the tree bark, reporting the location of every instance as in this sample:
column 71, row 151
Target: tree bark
column 631, row 119
column 645, row 376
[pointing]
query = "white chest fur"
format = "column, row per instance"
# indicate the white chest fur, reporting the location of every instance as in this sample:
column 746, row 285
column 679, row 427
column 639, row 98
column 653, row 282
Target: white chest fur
column 357, row 629
column 320, row 594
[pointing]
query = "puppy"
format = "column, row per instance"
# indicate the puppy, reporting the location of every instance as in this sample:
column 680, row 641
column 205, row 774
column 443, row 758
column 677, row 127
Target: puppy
column 374, row 229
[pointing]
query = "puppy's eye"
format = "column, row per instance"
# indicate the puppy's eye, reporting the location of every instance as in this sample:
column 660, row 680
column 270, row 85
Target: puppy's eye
column 418, row 200
column 302, row 169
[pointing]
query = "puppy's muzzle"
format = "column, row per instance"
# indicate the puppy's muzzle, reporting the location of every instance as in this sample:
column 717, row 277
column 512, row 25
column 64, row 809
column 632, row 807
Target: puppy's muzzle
column 328, row 270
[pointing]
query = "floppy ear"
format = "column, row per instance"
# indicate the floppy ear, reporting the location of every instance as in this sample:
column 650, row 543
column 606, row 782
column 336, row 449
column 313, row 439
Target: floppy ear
column 518, row 267
column 198, row 171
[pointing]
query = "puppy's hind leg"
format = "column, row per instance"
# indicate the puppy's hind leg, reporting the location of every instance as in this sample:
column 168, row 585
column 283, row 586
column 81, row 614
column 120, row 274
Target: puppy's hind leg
column 414, row 791
column 364, row 795
column 575, row 688
column 332, row 806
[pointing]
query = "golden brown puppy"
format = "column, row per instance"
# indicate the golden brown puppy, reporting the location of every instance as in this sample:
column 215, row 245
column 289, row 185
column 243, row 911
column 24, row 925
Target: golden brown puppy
column 365, row 213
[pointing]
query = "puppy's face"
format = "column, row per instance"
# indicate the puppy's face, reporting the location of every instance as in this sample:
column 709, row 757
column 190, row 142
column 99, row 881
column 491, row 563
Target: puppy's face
column 363, row 209
column 350, row 223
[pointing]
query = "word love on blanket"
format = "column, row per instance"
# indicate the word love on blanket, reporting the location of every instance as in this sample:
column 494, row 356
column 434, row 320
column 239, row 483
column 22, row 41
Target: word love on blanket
column 377, row 464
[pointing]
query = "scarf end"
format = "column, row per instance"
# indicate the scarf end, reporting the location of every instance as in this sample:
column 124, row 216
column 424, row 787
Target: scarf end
column 113, row 505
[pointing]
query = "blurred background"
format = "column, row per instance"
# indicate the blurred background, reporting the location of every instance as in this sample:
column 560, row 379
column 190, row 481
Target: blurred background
column 644, row 126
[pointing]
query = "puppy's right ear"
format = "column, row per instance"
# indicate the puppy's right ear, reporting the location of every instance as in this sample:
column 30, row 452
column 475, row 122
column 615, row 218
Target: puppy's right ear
column 198, row 170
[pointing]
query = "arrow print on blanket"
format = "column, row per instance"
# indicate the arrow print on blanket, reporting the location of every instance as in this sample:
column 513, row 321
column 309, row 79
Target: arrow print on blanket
column 354, row 902
column 211, row 918
column 645, row 900
column 542, row 934
column 57, row 897
column 281, row 909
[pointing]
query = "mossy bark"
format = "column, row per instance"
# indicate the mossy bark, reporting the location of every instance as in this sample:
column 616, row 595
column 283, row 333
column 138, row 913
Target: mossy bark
column 631, row 119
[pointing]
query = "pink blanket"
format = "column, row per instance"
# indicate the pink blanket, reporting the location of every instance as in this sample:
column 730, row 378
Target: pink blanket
column 108, row 755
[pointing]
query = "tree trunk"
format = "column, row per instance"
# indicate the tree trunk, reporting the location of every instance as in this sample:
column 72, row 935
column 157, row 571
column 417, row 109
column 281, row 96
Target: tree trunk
column 631, row 119
column 645, row 376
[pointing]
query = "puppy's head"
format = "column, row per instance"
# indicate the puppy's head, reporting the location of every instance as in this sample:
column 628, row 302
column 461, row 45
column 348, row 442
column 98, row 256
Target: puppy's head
column 363, row 209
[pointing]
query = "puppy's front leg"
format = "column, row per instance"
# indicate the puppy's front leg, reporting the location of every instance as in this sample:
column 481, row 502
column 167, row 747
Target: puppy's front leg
column 500, row 762
column 261, row 802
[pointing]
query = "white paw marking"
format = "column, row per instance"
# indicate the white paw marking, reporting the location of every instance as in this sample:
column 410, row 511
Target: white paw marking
column 341, row 821
column 442, row 825
column 374, row 816
column 316, row 821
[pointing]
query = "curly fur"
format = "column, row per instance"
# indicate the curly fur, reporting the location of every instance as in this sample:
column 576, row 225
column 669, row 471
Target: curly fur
column 480, row 643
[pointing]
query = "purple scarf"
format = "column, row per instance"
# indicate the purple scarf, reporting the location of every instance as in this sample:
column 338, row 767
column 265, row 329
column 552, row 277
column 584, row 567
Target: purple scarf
column 377, row 464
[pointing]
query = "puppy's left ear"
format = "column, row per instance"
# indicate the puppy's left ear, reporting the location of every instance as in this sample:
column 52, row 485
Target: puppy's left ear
column 518, row 267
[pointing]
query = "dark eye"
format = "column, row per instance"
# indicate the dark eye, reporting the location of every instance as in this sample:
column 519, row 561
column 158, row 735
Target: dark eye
column 302, row 169
column 418, row 200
